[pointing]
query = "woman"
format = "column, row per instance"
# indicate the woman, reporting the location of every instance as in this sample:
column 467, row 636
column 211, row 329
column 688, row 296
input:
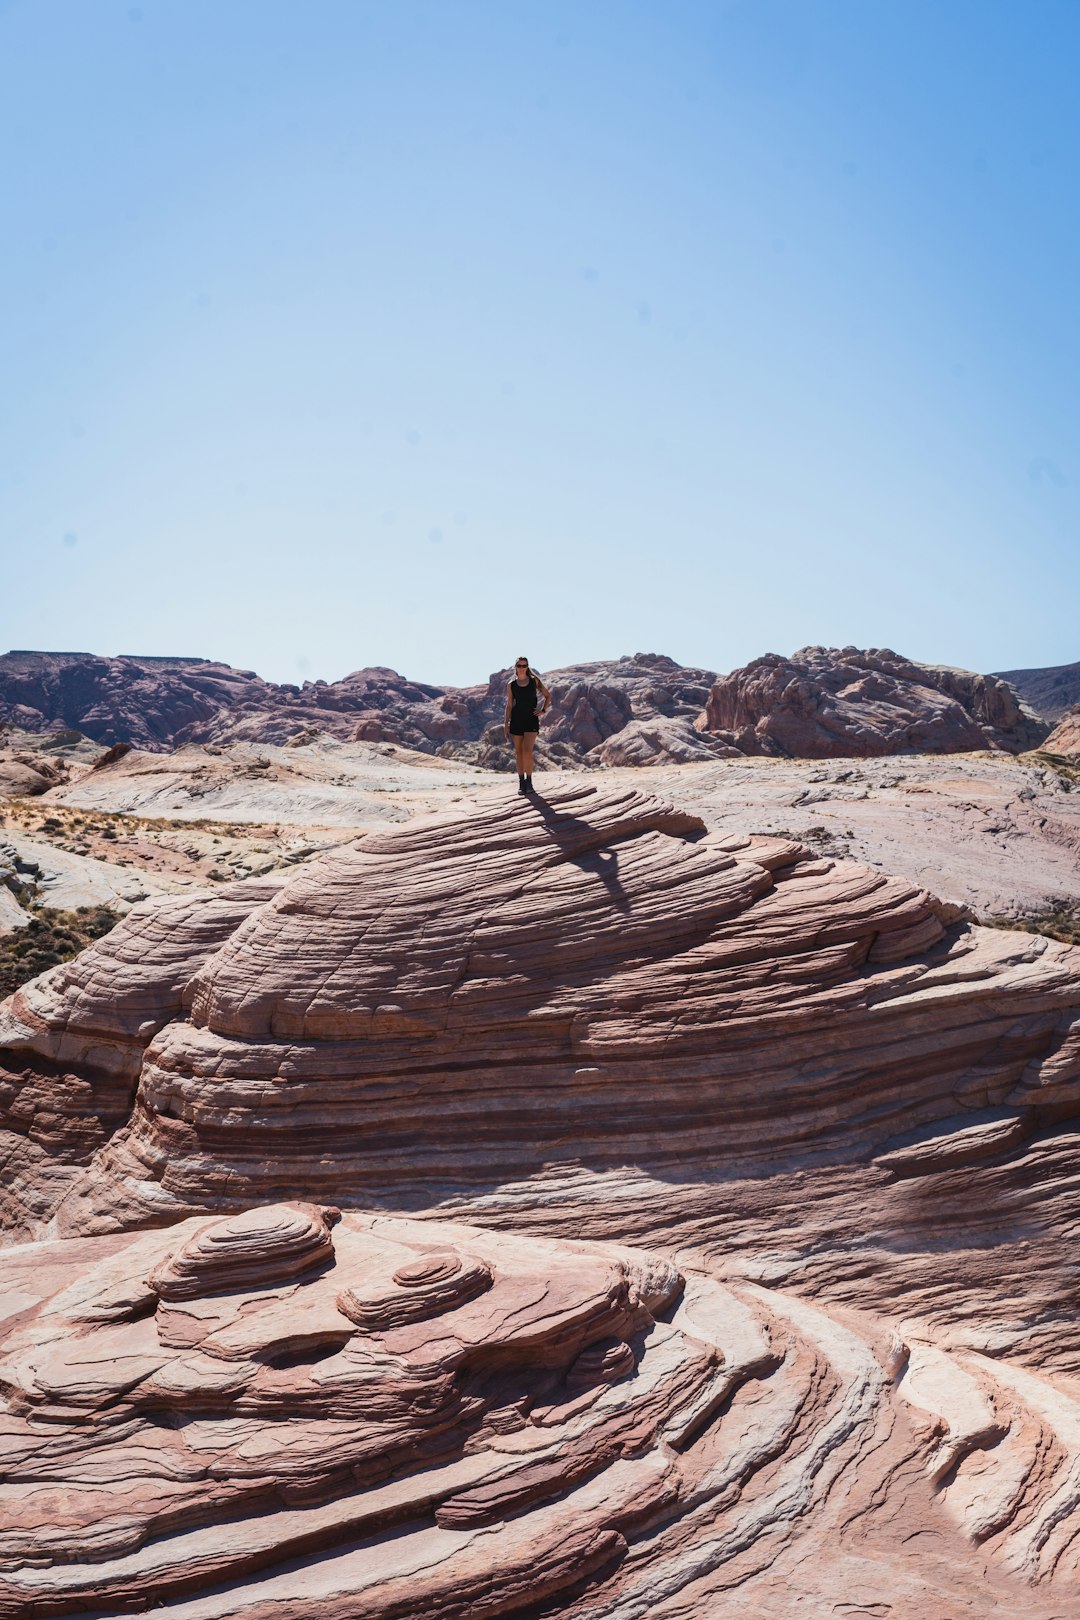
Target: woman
column 521, row 721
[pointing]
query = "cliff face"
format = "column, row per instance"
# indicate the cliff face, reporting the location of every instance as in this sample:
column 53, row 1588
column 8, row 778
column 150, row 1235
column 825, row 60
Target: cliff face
column 757, row 1283
column 828, row 702
column 1050, row 692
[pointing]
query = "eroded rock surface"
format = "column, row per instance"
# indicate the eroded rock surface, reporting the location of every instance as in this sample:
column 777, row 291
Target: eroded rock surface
column 33, row 762
column 514, row 980
column 596, row 1431
column 650, row 701
column 636, row 710
column 1065, row 737
column 1049, row 691
column 829, row 702
column 836, row 1122
column 997, row 835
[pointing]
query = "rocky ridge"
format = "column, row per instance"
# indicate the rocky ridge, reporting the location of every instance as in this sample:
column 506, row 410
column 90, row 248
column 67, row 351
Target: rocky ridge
column 829, row 702
column 626, row 710
column 1050, row 692
column 638, row 710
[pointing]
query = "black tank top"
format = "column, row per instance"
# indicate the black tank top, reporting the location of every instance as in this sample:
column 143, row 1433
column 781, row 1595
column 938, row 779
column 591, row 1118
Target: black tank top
column 524, row 700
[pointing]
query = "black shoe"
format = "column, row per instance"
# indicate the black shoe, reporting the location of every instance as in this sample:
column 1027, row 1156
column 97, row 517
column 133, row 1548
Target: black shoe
column 521, row 785
column 528, row 784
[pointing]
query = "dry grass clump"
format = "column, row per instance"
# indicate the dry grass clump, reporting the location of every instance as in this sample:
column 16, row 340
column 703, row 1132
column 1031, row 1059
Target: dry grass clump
column 51, row 936
column 1060, row 922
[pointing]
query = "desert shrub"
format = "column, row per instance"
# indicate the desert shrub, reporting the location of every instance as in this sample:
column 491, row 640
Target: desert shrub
column 49, row 937
column 1060, row 922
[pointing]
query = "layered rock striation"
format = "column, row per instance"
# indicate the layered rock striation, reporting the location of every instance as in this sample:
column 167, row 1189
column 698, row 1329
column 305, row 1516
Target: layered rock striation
column 834, row 1370
column 204, row 1419
column 443, row 1007
column 828, row 702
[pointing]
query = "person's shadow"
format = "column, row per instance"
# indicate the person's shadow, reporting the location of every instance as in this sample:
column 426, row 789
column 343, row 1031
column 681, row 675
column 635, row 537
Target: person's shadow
column 567, row 831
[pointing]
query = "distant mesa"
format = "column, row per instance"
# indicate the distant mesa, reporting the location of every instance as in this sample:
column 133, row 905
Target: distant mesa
column 642, row 709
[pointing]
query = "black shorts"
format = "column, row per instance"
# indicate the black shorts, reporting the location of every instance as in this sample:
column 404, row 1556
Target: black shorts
column 519, row 726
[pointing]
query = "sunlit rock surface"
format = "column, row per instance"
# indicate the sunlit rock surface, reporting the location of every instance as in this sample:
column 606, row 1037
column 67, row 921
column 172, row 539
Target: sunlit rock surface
column 588, row 979
column 596, row 1430
column 834, row 1121
column 846, row 702
column 1065, row 737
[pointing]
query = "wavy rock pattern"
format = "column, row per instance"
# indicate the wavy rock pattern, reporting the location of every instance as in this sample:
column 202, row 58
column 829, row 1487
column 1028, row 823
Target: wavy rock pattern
column 596, row 1432
column 587, row 978
column 838, row 1374
column 262, row 1246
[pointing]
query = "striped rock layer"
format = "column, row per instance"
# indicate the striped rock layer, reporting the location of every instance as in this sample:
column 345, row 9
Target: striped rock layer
column 837, row 1373
column 595, row 1434
column 448, row 1007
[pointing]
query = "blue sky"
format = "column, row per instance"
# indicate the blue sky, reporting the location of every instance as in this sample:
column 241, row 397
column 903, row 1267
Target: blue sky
column 337, row 333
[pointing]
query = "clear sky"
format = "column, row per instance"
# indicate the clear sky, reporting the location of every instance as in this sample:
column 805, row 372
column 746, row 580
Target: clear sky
column 425, row 332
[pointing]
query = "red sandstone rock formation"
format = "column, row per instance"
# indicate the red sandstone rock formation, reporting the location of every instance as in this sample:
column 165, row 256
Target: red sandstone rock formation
column 160, row 1439
column 629, row 711
column 200, row 1418
column 31, row 764
column 149, row 702
column 835, row 1372
column 521, row 967
column 1065, row 738
column 825, row 702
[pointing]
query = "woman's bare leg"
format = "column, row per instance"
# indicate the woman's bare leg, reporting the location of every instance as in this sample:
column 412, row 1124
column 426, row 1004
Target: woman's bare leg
column 519, row 755
column 529, row 740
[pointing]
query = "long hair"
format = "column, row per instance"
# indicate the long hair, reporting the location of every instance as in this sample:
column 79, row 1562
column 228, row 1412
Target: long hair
column 521, row 659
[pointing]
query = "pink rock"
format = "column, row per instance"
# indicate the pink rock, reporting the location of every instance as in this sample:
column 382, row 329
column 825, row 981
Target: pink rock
column 1065, row 737
column 453, row 1003
column 837, row 1370
column 826, row 702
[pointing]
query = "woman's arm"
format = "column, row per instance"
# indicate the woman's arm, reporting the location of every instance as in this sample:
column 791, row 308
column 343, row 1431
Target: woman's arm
column 509, row 707
column 546, row 695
